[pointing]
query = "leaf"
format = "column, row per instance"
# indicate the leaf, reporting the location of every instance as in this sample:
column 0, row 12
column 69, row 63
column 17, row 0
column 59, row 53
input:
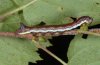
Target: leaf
column 5, row 6
column 84, row 51
column 14, row 49
column 46, row 13
column 11, row 24
column 20, row 50
column 21, row 2
column 54, row 11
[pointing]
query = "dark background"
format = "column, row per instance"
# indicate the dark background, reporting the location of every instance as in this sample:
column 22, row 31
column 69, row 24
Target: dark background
column 59, row 48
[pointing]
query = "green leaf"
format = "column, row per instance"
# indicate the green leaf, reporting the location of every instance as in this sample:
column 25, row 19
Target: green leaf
column 15, row 51
column 21, row 2
column 5, row 6
column 84, row 51
column 54, row 11
column 11, row 23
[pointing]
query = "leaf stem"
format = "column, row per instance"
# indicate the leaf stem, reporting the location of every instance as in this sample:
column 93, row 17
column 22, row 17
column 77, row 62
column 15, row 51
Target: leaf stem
column 88, row 32
column 16, row 10
column 47, row 51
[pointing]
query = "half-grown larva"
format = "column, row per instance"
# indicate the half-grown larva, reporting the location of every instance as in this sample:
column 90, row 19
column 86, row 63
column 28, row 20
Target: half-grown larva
column 54, row 29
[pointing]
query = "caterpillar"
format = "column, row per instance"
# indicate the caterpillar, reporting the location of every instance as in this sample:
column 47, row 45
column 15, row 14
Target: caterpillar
column 54, row 29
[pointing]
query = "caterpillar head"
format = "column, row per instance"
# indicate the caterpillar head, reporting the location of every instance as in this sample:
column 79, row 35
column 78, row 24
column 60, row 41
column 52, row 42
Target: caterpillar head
column 86, row 19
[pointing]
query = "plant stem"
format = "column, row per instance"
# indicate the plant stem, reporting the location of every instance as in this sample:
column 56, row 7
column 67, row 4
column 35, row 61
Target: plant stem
column 47, row 51
column 16, row 10
column 88, row 32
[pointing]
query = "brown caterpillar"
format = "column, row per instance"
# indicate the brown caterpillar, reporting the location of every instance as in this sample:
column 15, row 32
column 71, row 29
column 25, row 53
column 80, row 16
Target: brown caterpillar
column 54, row 30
